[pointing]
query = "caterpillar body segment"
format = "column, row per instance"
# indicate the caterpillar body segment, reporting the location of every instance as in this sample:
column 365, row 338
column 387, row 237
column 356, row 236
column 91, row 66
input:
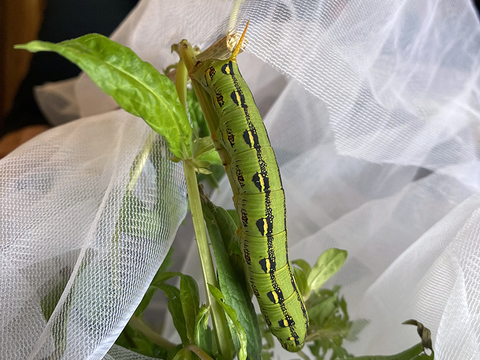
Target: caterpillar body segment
column 252, row 169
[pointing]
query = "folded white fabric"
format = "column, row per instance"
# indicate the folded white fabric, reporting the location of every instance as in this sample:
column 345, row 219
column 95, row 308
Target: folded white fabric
column 376, row 134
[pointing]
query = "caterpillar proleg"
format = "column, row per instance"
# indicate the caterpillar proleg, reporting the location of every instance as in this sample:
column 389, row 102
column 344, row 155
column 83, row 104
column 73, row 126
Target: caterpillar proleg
column 244, row 147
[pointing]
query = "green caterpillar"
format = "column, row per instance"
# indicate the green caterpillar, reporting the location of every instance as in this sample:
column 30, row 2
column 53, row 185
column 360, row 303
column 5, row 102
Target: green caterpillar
column 242, row 142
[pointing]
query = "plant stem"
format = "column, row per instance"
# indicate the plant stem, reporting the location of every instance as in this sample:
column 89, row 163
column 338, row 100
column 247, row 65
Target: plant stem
column 155, row 337
column 218, row 316
column 140, row 161
column 234, row 14
column 181, row 83
column 199, row 352
column 186, row 53
column 303, row 355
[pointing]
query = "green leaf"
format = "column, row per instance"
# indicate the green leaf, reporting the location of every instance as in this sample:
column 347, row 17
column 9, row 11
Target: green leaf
column 136, row 85
column 202, row 146
column 228, row 230
column 220, row 227
column 161, row 278
column 414, row 353
column 211, row 157
column 302, row 264
column 266, row 355
column 242, row 354
column 319, row 313
column 203, row 165
column 226, row 277
column 190, row 303
column 301, row 280
column 212, row 180
column 176, row 310
column 183, row 354
column 204, row 150
column 234, row 215
column 328, row 263
column 203, row 334
column 329, row 324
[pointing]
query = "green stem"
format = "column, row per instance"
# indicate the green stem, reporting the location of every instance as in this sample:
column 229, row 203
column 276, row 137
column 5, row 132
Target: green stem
column 188, row 56
column 218, row 316
column 232, row 22
column 155, row 337
column 303, row 355
column 181, row 83
column 199, row 352
column 140, row 161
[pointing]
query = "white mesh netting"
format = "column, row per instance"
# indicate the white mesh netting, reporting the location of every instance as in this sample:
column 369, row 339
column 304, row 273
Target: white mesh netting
column 85, row 222
column 376, row 133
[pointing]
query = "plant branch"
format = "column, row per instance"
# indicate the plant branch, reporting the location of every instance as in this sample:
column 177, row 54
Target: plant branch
column 218, row 316
column 155, row 337
column 199, row 352
column 181, row 79
column 303, row 355
column 187, row 54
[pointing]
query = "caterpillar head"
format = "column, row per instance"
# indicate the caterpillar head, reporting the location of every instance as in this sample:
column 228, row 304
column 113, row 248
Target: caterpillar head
column 292, row 344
